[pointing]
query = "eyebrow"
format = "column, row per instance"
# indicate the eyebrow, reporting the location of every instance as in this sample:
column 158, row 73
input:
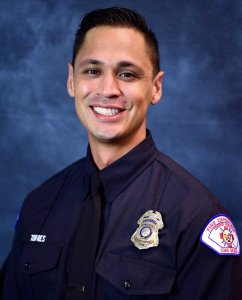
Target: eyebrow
column 90, row 62
column 126, row 64
column 96, row 62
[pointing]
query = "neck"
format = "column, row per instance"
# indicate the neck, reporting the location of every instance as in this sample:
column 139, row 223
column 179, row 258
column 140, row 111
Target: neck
column 105, row 153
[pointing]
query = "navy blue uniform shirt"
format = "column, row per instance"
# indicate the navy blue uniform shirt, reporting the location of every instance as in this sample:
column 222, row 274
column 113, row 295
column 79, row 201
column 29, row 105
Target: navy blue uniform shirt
column 180, row 267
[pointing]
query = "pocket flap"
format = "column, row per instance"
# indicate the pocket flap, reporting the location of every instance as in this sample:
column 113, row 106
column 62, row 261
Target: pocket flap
column 37, row 258
column 136, row 277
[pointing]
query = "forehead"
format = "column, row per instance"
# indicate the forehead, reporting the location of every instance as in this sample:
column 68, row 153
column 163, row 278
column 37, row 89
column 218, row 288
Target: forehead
column 115, row 43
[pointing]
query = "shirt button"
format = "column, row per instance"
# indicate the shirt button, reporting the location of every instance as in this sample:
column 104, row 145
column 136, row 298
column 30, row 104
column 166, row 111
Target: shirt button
column 27, row 266
column 127, row 284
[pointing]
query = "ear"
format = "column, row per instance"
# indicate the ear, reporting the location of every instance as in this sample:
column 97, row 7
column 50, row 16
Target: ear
column 157, row 89
column 70, row 81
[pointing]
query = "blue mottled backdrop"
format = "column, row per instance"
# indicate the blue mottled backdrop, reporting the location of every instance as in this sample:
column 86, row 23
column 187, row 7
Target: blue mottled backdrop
column 198, row 122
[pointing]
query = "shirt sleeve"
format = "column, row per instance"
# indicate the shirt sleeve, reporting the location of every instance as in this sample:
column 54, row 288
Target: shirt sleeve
column 9, row 281
column 2, row 275
column 203, row 273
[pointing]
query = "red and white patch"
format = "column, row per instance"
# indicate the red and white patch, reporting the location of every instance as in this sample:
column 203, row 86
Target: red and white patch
column 220, row 235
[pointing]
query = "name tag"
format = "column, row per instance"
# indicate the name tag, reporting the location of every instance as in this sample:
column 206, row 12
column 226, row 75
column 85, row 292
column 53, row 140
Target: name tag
column 38, row 238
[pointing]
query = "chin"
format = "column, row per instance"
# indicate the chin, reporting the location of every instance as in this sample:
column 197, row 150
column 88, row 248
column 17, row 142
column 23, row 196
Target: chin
column 108, row 138
column 106, row 134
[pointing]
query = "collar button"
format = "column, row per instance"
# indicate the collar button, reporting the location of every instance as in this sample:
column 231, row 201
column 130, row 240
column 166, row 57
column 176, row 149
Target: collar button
column 127, row 284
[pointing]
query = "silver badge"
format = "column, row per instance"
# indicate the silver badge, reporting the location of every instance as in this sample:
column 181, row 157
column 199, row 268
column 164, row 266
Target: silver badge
column 146, row 235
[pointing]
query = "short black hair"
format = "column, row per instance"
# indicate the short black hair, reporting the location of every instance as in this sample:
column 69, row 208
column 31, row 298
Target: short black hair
column 118, row 17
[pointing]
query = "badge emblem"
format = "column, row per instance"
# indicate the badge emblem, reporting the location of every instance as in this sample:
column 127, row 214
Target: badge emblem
column 220, row 235
column 146, row 235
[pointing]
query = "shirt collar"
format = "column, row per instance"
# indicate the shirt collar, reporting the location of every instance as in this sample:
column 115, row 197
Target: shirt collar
column 122, row 172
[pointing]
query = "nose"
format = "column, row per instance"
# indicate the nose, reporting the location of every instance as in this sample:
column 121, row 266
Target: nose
column 109, row 86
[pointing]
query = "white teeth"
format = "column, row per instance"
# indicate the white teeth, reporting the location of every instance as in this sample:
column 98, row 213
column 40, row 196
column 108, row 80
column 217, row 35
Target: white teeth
column 106, row 111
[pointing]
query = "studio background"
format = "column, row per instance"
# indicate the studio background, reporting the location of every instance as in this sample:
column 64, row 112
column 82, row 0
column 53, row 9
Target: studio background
column 198, row 122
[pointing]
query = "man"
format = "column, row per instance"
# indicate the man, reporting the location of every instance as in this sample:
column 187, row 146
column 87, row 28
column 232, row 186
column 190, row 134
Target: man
column 157, row 232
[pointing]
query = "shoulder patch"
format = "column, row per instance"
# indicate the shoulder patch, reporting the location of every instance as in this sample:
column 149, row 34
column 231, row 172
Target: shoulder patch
column 220, row 235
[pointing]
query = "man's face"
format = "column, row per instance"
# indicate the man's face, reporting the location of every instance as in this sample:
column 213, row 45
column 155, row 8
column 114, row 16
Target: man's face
column 113, row 85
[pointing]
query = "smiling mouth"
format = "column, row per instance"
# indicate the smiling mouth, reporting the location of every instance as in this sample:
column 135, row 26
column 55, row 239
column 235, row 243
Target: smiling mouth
column 106, row 111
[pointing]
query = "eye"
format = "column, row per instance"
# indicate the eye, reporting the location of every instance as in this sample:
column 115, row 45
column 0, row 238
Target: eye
column 128, row 76
column 91, row 72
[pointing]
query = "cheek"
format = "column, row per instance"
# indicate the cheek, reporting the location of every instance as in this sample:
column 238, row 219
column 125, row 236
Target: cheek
column 141, row 101
column 83, row 88
column 140, row 93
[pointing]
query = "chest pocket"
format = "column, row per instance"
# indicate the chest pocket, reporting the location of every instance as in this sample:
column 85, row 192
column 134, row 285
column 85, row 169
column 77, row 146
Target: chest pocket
column 136, row 277
column 38, row 264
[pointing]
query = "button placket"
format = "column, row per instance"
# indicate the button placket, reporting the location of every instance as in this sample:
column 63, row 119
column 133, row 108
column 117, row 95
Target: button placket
column 27, row 266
